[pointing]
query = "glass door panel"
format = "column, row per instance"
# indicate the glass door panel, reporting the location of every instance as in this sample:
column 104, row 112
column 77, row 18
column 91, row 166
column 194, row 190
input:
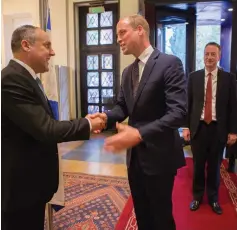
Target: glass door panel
column 172, row 40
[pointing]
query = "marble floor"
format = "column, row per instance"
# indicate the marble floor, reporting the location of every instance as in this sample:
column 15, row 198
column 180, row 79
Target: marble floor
column 90, row 157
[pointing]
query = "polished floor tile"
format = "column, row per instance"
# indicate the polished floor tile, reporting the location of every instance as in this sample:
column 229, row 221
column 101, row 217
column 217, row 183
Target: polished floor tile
column 89, row 157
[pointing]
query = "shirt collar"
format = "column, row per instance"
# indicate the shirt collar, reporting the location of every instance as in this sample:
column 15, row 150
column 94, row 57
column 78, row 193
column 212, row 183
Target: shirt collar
column 213, row 73
column 146, row 54
column 28, row 68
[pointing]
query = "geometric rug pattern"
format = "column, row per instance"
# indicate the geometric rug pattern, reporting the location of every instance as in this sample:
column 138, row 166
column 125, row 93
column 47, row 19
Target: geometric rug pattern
column 92, row 202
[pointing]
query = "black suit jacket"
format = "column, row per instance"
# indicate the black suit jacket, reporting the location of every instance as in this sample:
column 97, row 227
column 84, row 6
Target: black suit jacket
column 232, row 150
column 158, row 110
column 29, row 140
column 226, row 109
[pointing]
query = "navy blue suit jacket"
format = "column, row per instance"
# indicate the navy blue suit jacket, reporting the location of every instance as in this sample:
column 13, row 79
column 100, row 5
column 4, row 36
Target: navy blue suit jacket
column 158, row 110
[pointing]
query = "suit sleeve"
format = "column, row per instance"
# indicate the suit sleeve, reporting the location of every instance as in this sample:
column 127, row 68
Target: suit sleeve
column 176, row 97
column 189, row 101
column 232, row 106
column 20, row 105
column 120, row 112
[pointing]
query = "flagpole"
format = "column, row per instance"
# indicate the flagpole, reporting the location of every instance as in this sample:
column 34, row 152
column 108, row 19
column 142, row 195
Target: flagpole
column 50, row 216
column 49, row 206
column 43, row 21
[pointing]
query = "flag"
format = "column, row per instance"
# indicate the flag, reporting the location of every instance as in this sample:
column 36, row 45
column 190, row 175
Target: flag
column 50, row 84
column 49, row 79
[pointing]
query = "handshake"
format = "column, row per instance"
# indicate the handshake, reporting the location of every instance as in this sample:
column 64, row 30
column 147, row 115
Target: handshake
column 126, row 137
column 98, row 121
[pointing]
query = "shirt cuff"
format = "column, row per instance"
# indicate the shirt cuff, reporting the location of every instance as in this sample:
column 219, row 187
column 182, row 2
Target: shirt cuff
column 140, row 136
column 89, row 123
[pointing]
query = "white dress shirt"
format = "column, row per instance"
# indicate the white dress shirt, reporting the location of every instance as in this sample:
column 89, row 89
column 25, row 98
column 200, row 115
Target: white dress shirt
column 214, row 87
column 143, row 59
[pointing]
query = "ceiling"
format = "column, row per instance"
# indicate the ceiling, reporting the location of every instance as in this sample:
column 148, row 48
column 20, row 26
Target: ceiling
column 207, row 13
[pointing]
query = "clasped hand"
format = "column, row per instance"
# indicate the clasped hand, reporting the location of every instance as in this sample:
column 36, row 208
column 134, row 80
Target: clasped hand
column 98, row 121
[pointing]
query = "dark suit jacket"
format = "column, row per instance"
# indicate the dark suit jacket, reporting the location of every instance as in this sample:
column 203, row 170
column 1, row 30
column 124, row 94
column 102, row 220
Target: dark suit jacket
column 29, row 140
column 226, row 109
column 232, row 150
column 158, row 110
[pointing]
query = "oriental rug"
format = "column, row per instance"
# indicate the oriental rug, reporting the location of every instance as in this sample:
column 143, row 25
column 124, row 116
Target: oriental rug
column 92, row 202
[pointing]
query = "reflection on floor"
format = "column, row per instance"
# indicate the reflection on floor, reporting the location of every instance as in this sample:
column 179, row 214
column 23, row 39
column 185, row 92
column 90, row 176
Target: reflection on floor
column 92, row 151
column 89, row 157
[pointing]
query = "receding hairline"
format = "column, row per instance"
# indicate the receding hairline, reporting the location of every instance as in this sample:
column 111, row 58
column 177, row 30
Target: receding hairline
column 133, row 19
column 213, row 44
column 29, row 33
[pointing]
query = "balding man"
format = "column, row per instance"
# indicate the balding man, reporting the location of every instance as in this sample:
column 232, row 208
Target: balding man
column 30, row 133
column 153, row 96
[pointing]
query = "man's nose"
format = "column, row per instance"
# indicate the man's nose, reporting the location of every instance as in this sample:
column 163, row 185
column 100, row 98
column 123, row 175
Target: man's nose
column 52, row 53
column 119, row 40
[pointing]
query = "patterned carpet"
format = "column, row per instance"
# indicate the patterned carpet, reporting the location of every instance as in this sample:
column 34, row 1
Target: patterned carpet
column 92, row 202
column 204, row 218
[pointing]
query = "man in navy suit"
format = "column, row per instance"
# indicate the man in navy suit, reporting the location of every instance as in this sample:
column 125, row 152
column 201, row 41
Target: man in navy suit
column 153, row 96
column 211, row 124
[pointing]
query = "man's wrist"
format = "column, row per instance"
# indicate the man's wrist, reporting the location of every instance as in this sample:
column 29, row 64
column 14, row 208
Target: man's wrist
column 106, row 119
column 89, row 123
column 139, row 135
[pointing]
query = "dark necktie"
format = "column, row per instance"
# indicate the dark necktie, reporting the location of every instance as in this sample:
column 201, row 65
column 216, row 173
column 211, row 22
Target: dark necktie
column 135, row 77
column 41, row 86
column 208, row 101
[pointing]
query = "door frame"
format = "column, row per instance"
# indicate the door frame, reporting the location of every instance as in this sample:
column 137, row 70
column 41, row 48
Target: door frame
column 189, row 17
column 93, row 50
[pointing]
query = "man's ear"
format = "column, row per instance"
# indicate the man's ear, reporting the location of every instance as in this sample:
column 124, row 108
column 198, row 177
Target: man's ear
column 140, row 29
column 25, row 45
column 219, row 56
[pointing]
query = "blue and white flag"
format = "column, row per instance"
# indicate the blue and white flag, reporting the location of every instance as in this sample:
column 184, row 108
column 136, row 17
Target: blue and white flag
column 49, row 79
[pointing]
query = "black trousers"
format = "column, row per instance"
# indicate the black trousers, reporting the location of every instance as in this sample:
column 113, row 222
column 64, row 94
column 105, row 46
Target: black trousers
column 152, row 198
column 207, row 152
column 231, row 151
column 31, row 218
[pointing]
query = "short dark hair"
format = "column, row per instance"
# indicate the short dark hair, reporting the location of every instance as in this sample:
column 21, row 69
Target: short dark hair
column 26, row 32
column 213, row 44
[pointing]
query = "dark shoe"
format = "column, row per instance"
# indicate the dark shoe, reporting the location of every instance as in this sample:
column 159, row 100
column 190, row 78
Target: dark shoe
column 216, row 208
column 231, row 167
column 194, row 205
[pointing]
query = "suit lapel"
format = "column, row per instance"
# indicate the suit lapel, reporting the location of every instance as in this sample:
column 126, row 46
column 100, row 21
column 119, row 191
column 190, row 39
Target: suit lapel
column 128, row 87
column 146, row 74
column 35, row 85
column 218, row 88
column 201, row 85
column 41, row 95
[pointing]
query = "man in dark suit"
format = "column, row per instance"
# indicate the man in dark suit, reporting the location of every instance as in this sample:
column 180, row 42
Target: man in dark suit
column 153, row 96
column 211, row 123
column 231, row 152
column 30, row 133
